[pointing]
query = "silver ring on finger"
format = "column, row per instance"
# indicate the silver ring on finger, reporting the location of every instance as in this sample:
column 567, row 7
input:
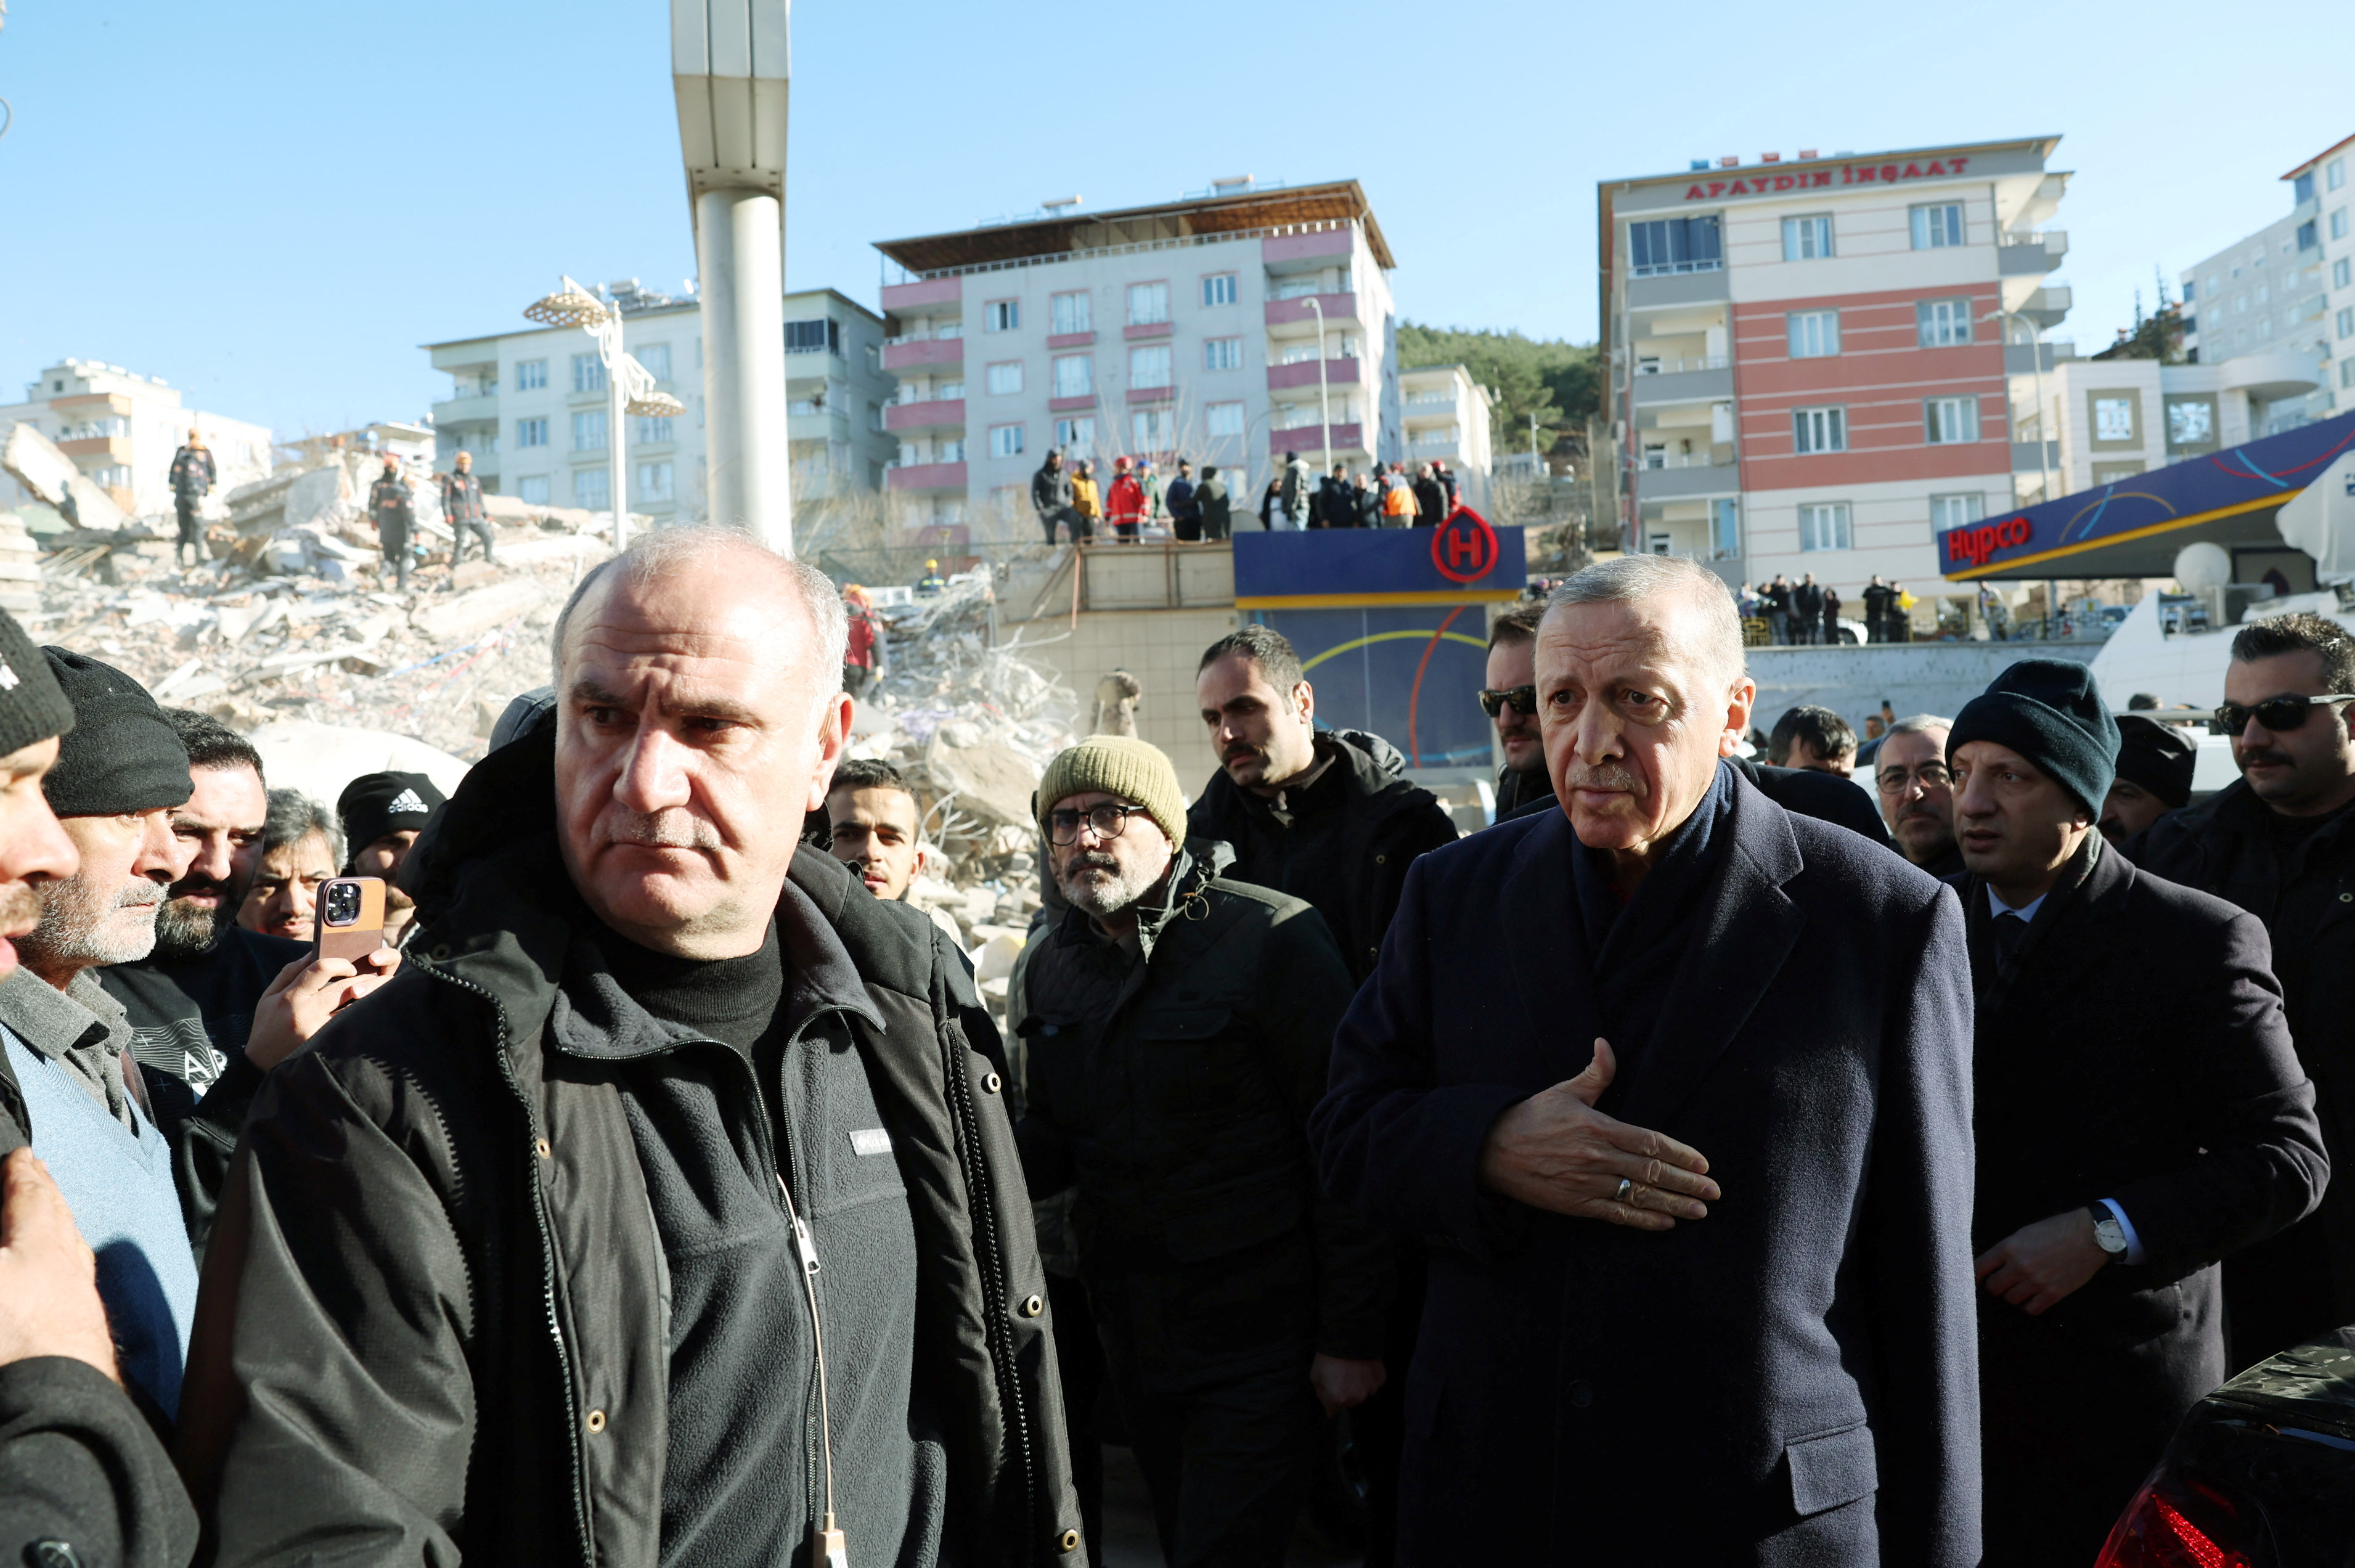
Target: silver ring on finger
column 1627, row 1190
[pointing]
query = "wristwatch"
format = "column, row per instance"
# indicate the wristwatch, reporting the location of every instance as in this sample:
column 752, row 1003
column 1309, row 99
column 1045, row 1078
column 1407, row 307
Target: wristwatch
column 2108, row 1234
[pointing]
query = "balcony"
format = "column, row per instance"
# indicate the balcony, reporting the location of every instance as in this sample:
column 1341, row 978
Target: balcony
column 1145, row 329
column 1060, row 340
column 482, row 408
column 2030, row 255
column 1303, row 439
column 1291, row 312
column 2047, row 306
column 2026, row 458
column 2268, row 377
column 1166, row 394
column 1303, row 373
column 104, row 448
column 940, row 413
column 1428, row 405
column 1678, row 477
column 2027, row 359
column 1708, row 379
column 919, row 478
column 922, row 353
column 899, row 297
column 1678, row 289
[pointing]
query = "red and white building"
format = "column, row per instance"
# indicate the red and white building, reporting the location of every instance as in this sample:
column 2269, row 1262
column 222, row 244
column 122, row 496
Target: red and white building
column 1812, row 360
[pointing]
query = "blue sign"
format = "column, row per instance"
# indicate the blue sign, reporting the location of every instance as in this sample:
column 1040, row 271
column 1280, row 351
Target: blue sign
column 1463, row 560
column 1411, row 675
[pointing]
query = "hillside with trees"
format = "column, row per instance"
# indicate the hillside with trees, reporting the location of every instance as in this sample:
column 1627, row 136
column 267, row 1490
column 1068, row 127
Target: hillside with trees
column 1553, row 379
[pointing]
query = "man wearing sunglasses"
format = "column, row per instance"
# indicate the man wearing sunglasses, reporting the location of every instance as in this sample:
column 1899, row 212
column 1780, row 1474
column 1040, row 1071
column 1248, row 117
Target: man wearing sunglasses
column 1510, row 701
column 2280, row 843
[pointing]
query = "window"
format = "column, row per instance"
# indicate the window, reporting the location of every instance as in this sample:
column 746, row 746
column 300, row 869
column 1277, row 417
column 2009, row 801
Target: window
column 1218, row 288
column 531, row 432
column 1078, row 437
column 2113, row 419
column 1824, row 524
column 2209, row 291
column 656, row 357
column 2342, row 273
column 1002, row 316
column 1069, row 313
column 1675, row 245
column 1947, row 420
column 531, row 375
column 591, row 487
column 1936, row 228
column 1956, row 511
column 2240, row 304
column 654, row 481
column 2347, row 321
column 1227, row 419
column 1725, row 528
column 1149, row 366
column 2301, row 189
column 1006, row 441
column 821, row 334
column 653, row 430
column 588, row 430
column 1942, row 324
column 1222, row 354
column 588, row 373
column 1819, row 430
column 1004, row 376
column 2347, row 372
column 1153, row 430
column 1814, row 333
column 2191, row 422
column 2333, row 174
column 948, row 391
column 1808, row 239
column 2190, row 286
column 2339, row 223
column 874, row 416
column 532, row 490
column 1148, row 304
column 2306, row 240
column 1075, row 376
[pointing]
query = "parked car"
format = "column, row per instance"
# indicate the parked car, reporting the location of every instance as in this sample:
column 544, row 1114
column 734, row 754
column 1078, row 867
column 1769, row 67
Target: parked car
column 2261, row 1474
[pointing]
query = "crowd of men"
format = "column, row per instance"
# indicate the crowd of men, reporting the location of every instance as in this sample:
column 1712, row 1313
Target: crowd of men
column 1807, row 613
column 1072, row 502
column 1696, row 1165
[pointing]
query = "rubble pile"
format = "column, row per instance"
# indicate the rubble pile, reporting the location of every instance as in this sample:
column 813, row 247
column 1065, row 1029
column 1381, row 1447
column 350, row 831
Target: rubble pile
column 973, row 725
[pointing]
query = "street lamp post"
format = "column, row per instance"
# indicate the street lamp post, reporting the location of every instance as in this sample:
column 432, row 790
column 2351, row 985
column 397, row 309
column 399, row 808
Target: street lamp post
column 1324, row 404
column 629, row 386
column 2043, row 443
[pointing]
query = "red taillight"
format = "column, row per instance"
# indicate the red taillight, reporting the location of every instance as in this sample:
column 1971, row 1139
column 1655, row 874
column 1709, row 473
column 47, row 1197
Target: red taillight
column 2156, row 1532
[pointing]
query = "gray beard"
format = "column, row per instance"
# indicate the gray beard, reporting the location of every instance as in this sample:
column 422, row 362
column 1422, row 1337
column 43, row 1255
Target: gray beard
column 1101, row 895
column 183, row 932
column 72, row 913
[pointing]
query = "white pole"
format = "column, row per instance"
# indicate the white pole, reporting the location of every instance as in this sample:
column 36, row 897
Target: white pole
column 1324, row 406
column 615, row 438
column 739, row 246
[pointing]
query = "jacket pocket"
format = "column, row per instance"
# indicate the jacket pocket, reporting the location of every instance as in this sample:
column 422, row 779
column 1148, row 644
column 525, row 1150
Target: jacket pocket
column 1832, row 1468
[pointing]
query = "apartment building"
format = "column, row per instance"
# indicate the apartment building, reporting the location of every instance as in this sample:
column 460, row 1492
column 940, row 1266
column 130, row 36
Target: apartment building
column 2269, row 296
column 2324, row 181
column 1446, row 414
column 531, row 405
column 1811, row 356
column 1228, row 328
column 121, row 429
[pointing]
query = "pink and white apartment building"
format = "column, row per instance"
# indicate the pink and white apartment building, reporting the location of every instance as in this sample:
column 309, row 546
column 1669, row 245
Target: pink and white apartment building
column 1228, row 328
column 1813, row 359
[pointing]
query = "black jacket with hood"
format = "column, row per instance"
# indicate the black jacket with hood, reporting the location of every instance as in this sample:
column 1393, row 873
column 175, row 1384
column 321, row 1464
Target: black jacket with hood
column 1353, row 834
column 435, row 1323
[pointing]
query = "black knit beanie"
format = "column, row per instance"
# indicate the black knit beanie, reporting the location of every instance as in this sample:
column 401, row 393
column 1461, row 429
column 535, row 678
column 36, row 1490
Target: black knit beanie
column 122, row 755
column 2158, row 757
column 2049, row 711
column 374, row 805
column 32, row 708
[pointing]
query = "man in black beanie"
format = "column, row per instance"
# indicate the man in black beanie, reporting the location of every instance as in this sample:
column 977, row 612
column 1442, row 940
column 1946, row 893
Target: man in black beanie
column 2153, row 776
column 382, row 816
column 2129, row 1135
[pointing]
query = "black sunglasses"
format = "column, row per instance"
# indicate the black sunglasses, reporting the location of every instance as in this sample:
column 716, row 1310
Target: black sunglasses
column 2281, row 715
column 1524, row 699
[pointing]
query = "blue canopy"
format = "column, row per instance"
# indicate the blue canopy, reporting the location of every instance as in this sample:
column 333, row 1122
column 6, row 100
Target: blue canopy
column 2133, row 528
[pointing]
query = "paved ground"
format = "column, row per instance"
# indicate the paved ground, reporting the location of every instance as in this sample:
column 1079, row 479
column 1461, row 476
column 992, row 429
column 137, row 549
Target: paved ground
column 1128, row 1524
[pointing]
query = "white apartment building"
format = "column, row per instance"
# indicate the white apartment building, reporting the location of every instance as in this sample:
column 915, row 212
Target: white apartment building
column 531, row 405
column 1810, row 358
column 1446, row 414
column 1225, row 328
column 2269, row 296
column 121, row 429
column 2113, row 419
column 2328, row 181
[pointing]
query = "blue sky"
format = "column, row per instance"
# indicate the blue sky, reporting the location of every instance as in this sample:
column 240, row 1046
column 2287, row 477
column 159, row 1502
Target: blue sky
column 272, row 204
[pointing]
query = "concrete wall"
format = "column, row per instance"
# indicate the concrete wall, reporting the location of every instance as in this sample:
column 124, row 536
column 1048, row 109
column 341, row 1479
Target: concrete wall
column 1161, row 648
column 1916, row 678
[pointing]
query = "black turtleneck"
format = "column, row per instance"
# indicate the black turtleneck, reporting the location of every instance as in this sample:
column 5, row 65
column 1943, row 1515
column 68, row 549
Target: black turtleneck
column 732, row 1001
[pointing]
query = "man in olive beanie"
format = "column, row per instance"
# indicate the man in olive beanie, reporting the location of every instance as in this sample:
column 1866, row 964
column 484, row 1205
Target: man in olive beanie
column 1178, row 1030
column 120, row 771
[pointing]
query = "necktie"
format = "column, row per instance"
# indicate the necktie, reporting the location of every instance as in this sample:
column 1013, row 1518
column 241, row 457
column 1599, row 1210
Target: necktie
column 2011, row 930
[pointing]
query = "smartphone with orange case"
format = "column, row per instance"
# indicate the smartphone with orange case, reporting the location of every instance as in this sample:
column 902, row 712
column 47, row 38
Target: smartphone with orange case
column 350, row 918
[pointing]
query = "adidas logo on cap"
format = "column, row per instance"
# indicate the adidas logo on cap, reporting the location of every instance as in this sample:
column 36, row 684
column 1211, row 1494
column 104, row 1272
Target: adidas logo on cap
column 407, row 804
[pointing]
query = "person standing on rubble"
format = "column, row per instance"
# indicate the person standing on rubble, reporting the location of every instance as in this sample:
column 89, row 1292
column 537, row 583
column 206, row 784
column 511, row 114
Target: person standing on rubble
column 391, row 506
column 462, row 506
column 193, row 475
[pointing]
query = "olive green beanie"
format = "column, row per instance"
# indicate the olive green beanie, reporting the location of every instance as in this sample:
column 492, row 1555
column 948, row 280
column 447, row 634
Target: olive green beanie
column 1136, row 771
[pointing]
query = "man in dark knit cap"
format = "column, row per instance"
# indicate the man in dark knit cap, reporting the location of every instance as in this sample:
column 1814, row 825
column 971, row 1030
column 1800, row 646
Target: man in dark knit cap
column 382, row 816
column 2129, row 1135
column 82, row 1477
column 2153, row 776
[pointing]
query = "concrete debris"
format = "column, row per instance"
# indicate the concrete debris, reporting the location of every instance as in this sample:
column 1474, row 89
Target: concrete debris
column 35, row 461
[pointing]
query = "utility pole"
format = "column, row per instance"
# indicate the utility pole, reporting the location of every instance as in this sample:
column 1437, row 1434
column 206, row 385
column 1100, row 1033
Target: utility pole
column 731, row 70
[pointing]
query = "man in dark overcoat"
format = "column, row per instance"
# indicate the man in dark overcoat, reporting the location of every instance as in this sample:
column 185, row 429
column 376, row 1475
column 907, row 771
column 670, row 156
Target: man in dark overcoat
column 2139, row 1114
column 1673, row 1086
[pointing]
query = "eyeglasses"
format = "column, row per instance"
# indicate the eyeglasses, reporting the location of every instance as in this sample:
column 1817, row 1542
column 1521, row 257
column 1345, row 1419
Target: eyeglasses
column 1524, row 699
column 1064, row 822
column 2281, row 715
column 1929, row 775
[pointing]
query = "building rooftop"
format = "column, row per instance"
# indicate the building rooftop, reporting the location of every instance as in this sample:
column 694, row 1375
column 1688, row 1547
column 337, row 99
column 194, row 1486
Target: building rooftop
column 2318, row 157
column 1242, row 211
column 1812, row 160
column 641, row 303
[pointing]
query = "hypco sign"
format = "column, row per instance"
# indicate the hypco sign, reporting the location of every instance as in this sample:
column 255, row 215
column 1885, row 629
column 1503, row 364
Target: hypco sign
column 1975, row 545
column 1821, row 179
